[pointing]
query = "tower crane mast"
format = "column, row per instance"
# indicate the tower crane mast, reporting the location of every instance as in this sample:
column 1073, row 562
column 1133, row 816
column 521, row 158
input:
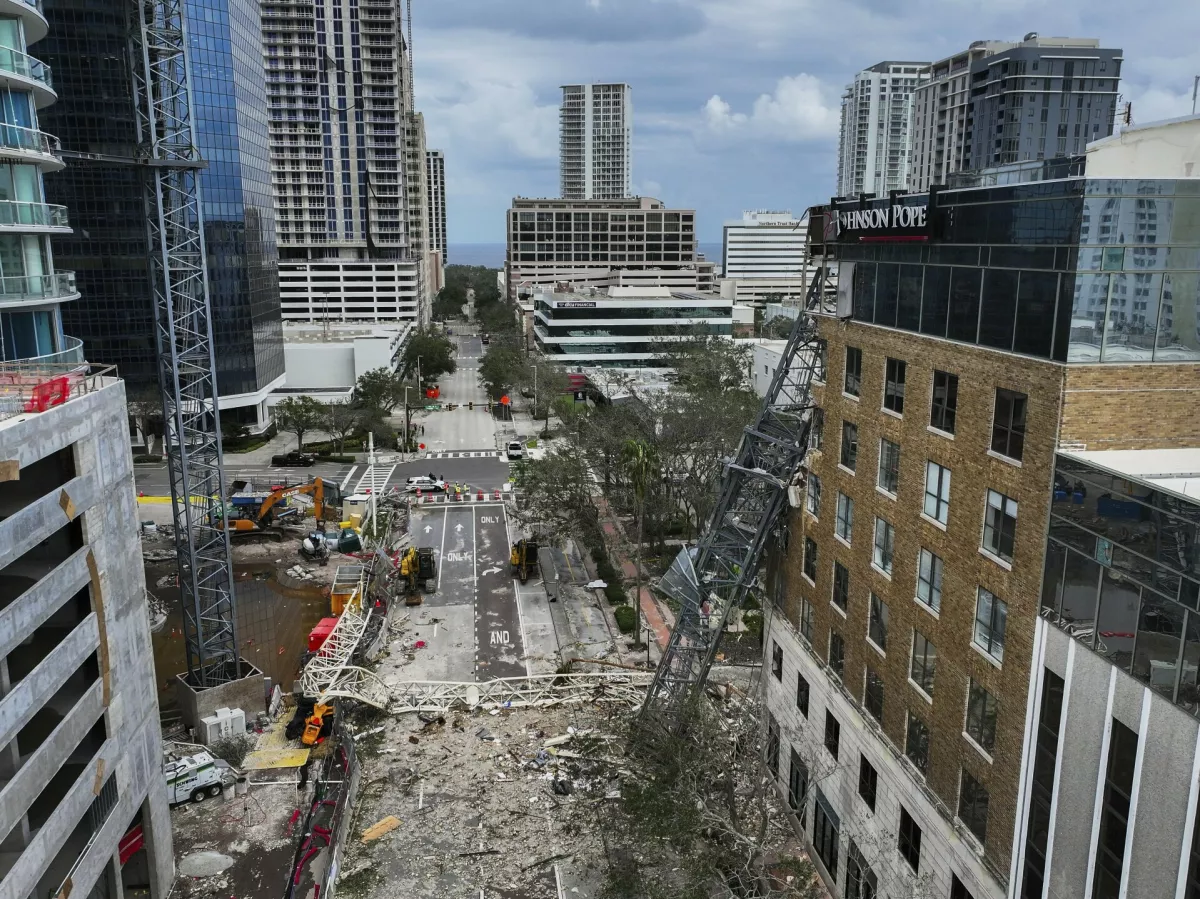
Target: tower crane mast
column 171, row 162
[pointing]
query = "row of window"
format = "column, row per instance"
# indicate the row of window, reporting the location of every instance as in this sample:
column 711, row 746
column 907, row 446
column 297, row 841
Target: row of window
column 991, row 612
column 861, row 880
column 1008, row 414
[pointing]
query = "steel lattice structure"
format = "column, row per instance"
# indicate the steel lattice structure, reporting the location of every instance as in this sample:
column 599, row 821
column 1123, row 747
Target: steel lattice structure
column 724, row 568
column 183, row 334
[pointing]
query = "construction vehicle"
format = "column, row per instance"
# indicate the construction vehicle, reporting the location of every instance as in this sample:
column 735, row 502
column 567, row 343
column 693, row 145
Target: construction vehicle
column 524, row 559
column 251, row 512
column 195, row 777
column 417, row 568
column 315, row 723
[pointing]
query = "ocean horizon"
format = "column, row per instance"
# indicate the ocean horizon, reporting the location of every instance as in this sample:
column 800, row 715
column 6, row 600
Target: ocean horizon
column 491, row 255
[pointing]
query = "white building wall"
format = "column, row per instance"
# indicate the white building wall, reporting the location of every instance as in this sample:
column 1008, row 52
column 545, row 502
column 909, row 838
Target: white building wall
column 946, row 848
column 767, row 356
column 595, row 140
column 349, row 290
column 874, row 152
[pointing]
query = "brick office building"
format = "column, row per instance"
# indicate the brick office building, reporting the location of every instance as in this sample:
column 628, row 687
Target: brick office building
column 923, row 716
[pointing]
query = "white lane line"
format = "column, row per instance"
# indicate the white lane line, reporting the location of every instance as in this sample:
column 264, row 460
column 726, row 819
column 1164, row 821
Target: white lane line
column 349, row 475
column 442, row 552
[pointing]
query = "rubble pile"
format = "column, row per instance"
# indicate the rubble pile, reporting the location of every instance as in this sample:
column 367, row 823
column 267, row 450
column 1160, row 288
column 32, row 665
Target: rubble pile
column 499, row 801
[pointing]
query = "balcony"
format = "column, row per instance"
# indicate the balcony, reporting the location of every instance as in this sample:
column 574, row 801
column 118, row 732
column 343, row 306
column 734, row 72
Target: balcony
column 28, row 143
column 71, row 355
column 23, row 289
column 22, row 72
column 31, row 14
column 18, row 215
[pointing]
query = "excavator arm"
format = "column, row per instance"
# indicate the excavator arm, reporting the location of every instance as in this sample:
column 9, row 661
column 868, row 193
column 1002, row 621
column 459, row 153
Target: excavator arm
column 316, row 488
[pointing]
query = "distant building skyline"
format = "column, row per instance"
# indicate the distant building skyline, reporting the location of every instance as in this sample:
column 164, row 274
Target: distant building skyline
column 874, row 149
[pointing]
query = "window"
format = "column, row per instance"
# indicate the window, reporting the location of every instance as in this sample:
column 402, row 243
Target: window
column 924, row 663
column 868, row 782
column 816, row 429
column 849, row 445
column 889, row 466
column 772, row 744
column 877, row 625
column 853, row 385
column 860, row 879
column 957, row 890
column 837, row 653
column 1000, row 525
column 937, row 492
column 797, row 784
column 841, row 585
column 1008, row 423
column 929, row 579
column 973, row 805
column 777, row 660
column 833, row 734
column 825, row 835
column 916, row 743
column 981, row 716
column 810, row 559
column 802, row 692
column 991, row 616
column 945, row 401
column 885, row 540
column 1041, row 796
column 813, row 503
column 873, row 695
column 893, row 386
column 845, row 517
column 909, row 841
column 806, row 617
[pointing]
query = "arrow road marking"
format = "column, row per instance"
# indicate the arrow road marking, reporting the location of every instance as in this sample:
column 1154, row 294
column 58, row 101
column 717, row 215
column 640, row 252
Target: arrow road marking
column 488, row 571
column 428, row 528
column 458, row 529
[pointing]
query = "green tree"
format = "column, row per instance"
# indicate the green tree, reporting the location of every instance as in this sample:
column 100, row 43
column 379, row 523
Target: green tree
column 144, row 405
column 640, row 460
column 299, row 415
column 340, row 420
column 432, row 352
column 449, row 302
column 503, row 367
column 556, row 493
column 549, row 382
column 379, row 389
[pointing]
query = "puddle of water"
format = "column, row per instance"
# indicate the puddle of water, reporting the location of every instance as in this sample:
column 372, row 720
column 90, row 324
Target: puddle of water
column 274, row 621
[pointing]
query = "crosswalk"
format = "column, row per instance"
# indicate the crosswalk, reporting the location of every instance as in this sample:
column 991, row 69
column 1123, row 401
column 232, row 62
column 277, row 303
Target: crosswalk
column 466, row 454
column 375, row 478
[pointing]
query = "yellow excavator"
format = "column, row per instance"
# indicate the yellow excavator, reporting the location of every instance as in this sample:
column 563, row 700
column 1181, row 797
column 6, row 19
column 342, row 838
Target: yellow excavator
column 417, row 568
column 314, row 723
column 248, row 514
column 524, row 559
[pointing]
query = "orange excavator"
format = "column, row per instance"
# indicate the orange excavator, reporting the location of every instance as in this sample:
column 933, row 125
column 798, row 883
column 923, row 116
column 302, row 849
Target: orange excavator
column 250, row 513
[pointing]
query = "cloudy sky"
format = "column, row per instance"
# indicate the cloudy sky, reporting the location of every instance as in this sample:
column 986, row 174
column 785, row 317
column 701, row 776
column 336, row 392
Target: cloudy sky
column 736, row 102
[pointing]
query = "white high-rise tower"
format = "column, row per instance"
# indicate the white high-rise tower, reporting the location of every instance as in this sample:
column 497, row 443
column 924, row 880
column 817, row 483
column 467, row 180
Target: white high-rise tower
column 595, row 134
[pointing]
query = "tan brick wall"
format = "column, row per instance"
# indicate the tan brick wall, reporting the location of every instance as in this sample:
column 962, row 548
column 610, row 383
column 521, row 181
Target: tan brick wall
column 980, row 372
column 1131, row 406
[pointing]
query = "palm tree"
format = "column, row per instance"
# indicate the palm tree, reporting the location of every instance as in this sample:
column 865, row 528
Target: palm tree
column 640, row 461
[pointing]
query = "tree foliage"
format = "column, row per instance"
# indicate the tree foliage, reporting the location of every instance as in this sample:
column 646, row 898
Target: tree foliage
column 504, row 367
column 341, row 419
column 435, row 353
column 299, row 415
column 380, row 390
column 144, row 405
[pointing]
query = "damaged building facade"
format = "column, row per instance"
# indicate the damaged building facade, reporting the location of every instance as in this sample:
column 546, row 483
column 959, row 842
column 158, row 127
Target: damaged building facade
column 984, row 651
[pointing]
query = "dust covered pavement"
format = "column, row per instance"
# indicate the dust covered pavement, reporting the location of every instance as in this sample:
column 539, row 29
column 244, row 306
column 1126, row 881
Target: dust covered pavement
column 501, row 805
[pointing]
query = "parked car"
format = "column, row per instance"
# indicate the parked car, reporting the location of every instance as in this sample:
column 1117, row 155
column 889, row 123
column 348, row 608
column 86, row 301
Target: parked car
column 515, row 450
column 486, row 338
column 295, row 458
column 425, row 484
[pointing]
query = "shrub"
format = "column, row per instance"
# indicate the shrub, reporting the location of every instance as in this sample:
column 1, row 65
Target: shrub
column 626, row 618
column 615, row 594
column 751, row 604
column 147, row 458
column 754, row 624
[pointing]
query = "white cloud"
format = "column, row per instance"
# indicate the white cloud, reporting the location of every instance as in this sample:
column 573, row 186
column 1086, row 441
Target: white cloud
column 800, row 108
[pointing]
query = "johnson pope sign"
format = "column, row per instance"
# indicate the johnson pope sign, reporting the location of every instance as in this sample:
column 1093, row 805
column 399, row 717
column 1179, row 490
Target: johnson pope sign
column 880, row 223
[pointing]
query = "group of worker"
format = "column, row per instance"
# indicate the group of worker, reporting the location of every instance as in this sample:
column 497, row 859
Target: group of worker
column 455, row 489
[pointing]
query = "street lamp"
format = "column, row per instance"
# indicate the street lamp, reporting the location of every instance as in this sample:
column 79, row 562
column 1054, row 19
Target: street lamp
column 407, row 417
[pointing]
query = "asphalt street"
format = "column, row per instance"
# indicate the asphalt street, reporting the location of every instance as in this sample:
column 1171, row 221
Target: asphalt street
column 472, row 544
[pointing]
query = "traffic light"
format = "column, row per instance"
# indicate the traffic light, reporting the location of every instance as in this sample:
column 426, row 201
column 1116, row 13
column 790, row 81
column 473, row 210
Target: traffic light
column 471, row 404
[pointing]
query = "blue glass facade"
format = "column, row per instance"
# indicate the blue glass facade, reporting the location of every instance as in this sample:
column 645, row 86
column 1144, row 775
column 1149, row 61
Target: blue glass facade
column 108, row 248
column 1074, row 270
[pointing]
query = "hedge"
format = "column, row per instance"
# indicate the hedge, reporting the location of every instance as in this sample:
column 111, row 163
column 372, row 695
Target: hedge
column 626, row 619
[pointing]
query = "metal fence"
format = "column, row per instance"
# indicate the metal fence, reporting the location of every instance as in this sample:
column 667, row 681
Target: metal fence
column 35, row 387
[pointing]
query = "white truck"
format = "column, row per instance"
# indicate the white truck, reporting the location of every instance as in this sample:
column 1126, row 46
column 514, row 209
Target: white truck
column 195, row 777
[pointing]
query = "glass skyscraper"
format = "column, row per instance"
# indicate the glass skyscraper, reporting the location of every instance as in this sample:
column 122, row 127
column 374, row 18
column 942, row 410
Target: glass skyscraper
column 108, row 249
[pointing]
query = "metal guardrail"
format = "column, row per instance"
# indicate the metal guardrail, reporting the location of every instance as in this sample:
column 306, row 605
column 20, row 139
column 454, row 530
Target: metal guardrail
column 37, row 287
column 72, row 354
column 21, row 212
column 32, row 387
column 14, row 137
column 25, row 65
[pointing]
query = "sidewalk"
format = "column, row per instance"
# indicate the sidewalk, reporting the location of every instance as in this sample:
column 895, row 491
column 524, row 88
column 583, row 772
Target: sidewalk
column 658, row 617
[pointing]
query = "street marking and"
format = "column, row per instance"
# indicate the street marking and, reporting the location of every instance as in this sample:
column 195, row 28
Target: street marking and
column 349, row 475
column 442, row 551
column 374, row 479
